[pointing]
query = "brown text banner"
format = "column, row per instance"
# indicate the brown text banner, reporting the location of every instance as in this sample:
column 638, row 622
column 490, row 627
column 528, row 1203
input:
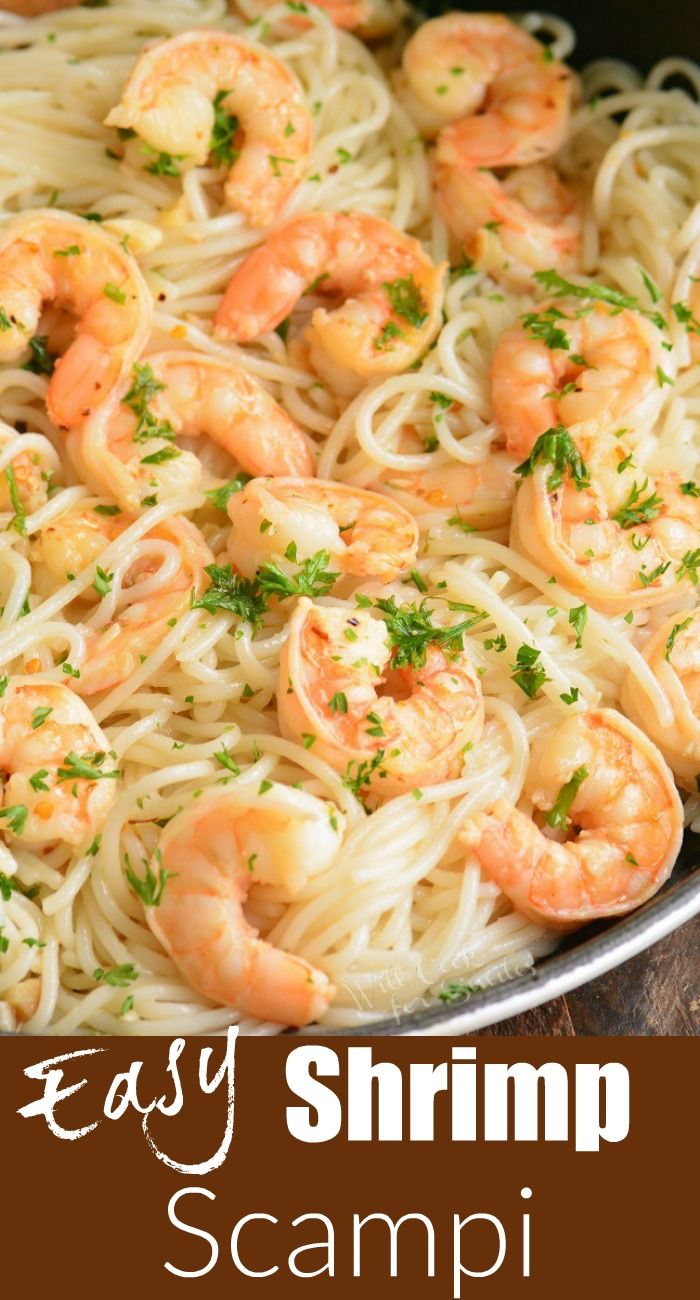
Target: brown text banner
column 288, row 1166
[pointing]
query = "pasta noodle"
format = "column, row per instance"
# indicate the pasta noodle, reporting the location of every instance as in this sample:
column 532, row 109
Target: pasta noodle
column 400, row 915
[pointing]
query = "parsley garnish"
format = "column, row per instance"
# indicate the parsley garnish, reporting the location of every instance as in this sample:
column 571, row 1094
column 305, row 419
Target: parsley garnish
column 150, row 889
column 527, row 673
column 85, row 769
column 220, row 496
column 118, row 977
column 313, row 578
column 41, row 361
column 234, row 593
column 671, row 638
column 637, row 510
column 224, row 129
column 406, row 300
column 411, row 631
column 556, row 447
column 558, row 814
column 561, row 288
column 16, row 815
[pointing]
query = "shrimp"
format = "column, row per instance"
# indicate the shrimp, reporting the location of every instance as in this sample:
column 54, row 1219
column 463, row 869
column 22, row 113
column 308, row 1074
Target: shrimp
column 209, row 92
column 115, row 650
column 673, row 654
column 188, row 394
column 559, row 366
column 214, row 851
column 59, row 779
column 368, row 18
column 393, row 292
column 492, row 91
column 53, row 257
column 27, row 477
column 389, row 725
column 608, row 791
column 364, row 534
column 479, row 493
column 530, row 221
column 608, row 532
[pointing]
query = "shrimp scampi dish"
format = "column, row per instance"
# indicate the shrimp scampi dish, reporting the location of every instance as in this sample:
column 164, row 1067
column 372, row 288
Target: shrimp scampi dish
column 349, row 507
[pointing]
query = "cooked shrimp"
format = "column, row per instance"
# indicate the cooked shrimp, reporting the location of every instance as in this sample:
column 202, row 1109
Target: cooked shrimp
column 600, row 781
column 389, row 728
column 604, row 528
column 393, row 292
column 188, row 394
column 558, row 366
column 216, row 849
column 59, row 778
column 28, row 475
column 530, row 221
column 178, row 93
column 561, row 366
column 480, row 493
column 54, row 257
column 673, row 654
column 369, row 18
column 115, row 650
column 497, row 95
column 364, row 534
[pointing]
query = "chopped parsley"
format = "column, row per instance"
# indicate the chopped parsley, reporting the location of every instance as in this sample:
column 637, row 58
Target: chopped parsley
column 144, row 388
column 558, row 814
column 19, row 519
column 232, row 592
column 527, row 672
column 102, row 582
column 150, row 889
column 118, row 977
column 556, row 447
column 406, row 300
column 411, row 631
column 636, row 509
column 313, row 578
column 221, row 496
column 85, row 769
column 561, row 288
column 41, row 362
column 671, row 638
column 577, row 619
column 16, row 815
column 221, row 146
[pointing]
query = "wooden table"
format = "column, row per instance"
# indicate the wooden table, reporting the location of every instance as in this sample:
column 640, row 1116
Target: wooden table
column 657, row 992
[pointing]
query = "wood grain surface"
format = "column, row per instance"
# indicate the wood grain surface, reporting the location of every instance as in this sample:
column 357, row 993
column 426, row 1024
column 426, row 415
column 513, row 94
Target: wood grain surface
column 657, row 992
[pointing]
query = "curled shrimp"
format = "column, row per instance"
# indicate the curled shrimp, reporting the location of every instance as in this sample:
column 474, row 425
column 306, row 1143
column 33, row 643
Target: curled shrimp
column 479, row 493
column 27, row 477
column 565, row 365
column 389, row 729
column 148, row 604
column 492, row 91
column 364, row 534
column 214, row 851
column 369, row 18
column 529, row 221
column 392, row 290
column 605, row 529
column 53, row 257
column 59, row 781
column 178, row 91
column 673, row 654
column 610, row 796
column 188, row 394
